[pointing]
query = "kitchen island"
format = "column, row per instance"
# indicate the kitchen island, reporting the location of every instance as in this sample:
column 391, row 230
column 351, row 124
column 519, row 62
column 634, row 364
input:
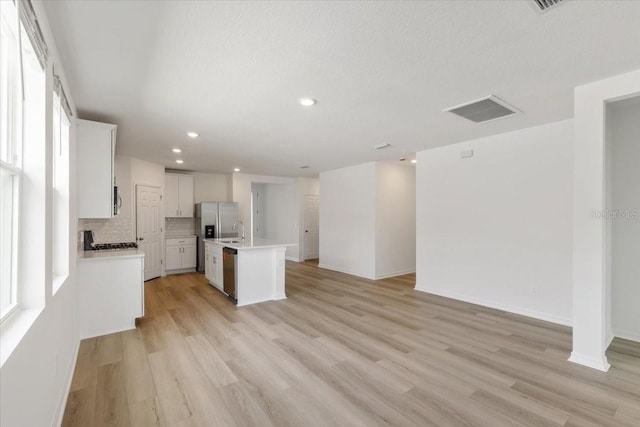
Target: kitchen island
column 257, row 269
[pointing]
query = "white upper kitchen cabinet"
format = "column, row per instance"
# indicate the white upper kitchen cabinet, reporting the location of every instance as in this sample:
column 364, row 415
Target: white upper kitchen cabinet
column 178, row 196
column 95, row 165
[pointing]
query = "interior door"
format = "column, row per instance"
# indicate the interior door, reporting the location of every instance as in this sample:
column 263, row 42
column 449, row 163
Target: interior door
column 148, row 229
column 311, row 227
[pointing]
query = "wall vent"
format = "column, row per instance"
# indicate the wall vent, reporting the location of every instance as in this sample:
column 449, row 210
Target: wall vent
column 484, row 109
column 543, row 5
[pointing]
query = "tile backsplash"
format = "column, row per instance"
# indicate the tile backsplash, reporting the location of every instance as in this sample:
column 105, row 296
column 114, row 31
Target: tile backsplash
column 114, row 230
column 120, row 230
column 179, row 226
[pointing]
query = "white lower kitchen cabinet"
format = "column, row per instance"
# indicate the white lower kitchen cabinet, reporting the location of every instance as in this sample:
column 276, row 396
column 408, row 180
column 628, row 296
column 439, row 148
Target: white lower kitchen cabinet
column 110, row 291
column 213, row 268
column 180, row 254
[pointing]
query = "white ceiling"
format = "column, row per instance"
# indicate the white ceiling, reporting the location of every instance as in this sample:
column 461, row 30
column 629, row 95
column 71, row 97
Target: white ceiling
column 382, row 72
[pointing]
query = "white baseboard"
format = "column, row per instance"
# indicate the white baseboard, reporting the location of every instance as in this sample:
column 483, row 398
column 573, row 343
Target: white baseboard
column 498, row 306
column 86, row 335
column 599, row 363
column 292, row 258
column 62, row 400
column 342, row 270
column 394, row 274
column 609, row 338
column 244, row 303
column 626, row 335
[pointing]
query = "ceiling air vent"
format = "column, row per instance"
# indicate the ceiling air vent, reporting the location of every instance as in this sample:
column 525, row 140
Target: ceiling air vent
column 544, row 5
column 484, row 110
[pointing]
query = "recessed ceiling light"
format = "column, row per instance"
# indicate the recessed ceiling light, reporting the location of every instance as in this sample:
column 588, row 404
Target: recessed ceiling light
column 192, row 134
column 414, row 161
column 177, row 150
column 236, row 169
column 179, row 161
column 307, row 102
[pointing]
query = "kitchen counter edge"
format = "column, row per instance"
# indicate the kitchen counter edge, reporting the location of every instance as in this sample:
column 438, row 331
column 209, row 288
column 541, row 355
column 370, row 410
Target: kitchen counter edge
column 248, row 244
column 111, row 254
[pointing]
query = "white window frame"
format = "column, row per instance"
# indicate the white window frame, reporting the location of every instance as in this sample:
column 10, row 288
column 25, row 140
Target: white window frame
column 13, row 167
column 61, row 196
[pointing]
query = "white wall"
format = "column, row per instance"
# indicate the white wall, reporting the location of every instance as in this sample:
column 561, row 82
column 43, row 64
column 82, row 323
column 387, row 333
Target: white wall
column 395, row 219
column 347, row 220
column 280, row 215
column 37, row 367
column 210, row 187
column 496, row 229
column 625, row 288
column 241, row 193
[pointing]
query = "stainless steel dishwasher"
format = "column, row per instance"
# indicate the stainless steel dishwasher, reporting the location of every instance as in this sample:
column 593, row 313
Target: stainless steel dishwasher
column 230, row 271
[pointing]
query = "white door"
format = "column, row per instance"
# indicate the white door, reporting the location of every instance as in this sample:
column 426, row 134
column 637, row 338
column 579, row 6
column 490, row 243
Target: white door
column 311, row 227
column 148, row 229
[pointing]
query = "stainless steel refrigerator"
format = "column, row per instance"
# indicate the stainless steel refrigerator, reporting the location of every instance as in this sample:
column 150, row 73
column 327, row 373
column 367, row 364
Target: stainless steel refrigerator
column 222, row 215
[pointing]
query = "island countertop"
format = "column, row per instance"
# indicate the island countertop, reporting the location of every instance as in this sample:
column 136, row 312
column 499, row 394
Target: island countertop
column 256, row 243
column 110, row 254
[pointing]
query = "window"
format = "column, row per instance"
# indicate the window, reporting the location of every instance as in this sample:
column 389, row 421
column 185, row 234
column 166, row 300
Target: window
column 22, row 116
column 10, row 150
column 60, row 184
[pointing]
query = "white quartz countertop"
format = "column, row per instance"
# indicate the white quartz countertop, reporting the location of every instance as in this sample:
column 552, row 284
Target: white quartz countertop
column 111, row 254
column 249, row 243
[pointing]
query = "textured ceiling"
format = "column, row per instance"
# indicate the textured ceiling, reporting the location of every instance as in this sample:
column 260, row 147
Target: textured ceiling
column 382, row 72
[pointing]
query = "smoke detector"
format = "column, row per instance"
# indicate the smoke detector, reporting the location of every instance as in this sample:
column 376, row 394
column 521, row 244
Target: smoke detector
column 543, row 5
column 484, row 109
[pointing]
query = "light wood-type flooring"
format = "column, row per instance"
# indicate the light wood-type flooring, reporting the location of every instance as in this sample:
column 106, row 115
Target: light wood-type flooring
column 342, row 351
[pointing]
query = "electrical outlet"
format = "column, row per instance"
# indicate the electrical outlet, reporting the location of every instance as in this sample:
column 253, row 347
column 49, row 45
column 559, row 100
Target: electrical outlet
column 533, row 291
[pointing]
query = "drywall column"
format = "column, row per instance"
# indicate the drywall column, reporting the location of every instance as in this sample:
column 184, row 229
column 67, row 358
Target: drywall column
column 347, row 220
column 589, row 230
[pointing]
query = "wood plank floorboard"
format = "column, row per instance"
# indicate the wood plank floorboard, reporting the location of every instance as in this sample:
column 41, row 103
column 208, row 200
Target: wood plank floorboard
column 344, row 351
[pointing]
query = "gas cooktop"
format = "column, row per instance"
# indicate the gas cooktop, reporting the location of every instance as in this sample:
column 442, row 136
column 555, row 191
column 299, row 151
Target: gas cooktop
column 112, row 246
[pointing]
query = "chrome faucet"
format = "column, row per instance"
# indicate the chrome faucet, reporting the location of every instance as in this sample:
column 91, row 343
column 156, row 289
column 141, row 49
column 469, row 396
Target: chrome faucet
column 235, row 226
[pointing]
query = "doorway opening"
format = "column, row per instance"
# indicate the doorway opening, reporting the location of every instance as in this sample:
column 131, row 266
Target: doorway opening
column 622, row 216
column 311, row 242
